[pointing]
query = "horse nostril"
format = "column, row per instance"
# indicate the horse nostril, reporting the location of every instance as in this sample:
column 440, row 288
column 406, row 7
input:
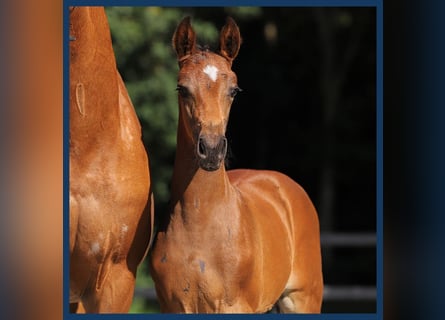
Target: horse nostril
column 224, row 145
column 202, row 148
column 222, row 148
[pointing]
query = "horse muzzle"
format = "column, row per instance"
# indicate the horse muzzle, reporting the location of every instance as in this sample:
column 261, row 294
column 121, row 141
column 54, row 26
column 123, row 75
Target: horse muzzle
column 211, row 151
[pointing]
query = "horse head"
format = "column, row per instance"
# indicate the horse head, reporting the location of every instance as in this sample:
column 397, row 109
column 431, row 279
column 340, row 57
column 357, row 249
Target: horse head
column 206, row 89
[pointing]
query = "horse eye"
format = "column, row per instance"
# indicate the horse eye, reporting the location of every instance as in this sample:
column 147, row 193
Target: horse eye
column 234, row 91
column 183, row 91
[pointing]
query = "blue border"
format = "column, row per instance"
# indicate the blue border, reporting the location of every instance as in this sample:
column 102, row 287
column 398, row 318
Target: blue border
column 338, row 316
column 66, row 171
column 379, row 145
column 227, row 3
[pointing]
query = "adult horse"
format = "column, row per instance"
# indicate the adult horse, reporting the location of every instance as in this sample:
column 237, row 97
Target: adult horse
column 111, row 218
column 236, row 241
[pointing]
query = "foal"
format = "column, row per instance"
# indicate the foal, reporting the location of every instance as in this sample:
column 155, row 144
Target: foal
column 235, row 241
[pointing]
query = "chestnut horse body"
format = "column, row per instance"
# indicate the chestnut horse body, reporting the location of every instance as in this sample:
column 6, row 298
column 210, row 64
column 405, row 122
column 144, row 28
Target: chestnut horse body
column 111, row 218
column 236, row 241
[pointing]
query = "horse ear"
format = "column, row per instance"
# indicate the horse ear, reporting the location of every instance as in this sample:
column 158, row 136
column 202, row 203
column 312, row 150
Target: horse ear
column 230, row 40
column 184, row 39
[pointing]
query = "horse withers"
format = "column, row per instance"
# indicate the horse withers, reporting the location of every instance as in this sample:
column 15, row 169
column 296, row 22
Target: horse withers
column 238, row 241
column 111, row 206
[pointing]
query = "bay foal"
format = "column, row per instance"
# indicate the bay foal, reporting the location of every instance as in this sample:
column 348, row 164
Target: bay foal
column 235, row 241
column 111, row 218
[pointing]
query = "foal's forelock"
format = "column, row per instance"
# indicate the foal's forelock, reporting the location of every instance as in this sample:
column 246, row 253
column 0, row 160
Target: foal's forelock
column 196, row 57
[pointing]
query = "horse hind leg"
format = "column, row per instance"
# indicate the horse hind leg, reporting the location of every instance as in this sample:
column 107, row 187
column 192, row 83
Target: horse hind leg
column 287, row 303
column 298, row 301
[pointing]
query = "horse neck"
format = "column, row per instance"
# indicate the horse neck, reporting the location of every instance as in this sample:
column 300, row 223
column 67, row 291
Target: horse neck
column 192, row 185
column 94, row 80
column 90, row 37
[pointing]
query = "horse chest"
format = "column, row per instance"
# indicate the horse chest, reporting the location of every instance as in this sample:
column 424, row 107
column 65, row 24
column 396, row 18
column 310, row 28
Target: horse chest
column 201, row 277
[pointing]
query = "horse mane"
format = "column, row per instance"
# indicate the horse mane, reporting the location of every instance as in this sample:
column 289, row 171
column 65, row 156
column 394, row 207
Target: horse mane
column 205, row 47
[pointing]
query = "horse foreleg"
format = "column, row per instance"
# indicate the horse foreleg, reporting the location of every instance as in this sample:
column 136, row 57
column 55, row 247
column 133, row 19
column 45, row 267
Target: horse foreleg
column 115, row 294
